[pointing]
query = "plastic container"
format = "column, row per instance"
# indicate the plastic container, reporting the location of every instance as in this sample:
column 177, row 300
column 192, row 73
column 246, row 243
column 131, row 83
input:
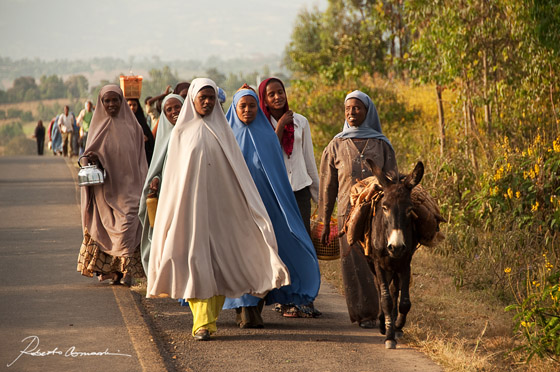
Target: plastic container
column 151, row 205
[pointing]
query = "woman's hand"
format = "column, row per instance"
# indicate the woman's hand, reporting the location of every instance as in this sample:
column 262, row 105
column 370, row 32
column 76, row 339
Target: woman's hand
column 288, row 117
column 325, row 234
column 154, row 185
column 89, row 159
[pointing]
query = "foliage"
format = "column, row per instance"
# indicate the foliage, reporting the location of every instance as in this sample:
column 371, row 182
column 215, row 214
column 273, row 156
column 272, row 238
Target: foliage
column 25, row 88
column 495, row 66
column 20, row 145
column 323, row 105
column 538, row 309
column 10, row 131
column 348, row 39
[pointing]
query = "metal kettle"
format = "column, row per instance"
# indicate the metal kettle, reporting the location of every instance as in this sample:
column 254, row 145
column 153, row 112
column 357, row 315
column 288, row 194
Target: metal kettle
column 90, row 175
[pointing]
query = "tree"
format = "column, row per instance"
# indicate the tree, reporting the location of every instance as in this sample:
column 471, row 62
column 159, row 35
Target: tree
column 76, row 86
column 218, row 77
column 22, row 86
column 52, row 87
column 159, row 80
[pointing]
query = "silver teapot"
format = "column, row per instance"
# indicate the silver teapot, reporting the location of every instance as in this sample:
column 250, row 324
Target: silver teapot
column 90, row 175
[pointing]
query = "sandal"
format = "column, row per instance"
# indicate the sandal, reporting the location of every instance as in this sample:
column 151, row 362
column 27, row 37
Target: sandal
column 116, row 278
column 308, row 311
column 291, row 312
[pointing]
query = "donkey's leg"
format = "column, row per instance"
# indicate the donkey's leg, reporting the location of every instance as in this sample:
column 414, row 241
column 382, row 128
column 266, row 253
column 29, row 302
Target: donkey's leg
column 404, row 303
column 387, row 306
column 394, row 288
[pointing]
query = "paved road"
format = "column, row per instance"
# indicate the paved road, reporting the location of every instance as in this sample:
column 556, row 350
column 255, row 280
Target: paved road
column 52, row 317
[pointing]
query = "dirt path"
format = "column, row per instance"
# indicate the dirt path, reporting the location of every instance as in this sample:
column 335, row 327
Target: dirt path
column 328, row 343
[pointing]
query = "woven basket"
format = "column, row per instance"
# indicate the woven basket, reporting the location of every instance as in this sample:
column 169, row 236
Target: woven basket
column 131, row 86
column 325, row 252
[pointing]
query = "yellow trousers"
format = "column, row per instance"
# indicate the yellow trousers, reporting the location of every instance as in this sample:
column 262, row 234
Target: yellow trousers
column 205, row 312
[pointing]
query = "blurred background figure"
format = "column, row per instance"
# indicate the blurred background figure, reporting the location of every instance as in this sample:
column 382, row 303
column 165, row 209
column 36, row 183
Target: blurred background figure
column 84, row 119
column 39, row 136
column 149, row 140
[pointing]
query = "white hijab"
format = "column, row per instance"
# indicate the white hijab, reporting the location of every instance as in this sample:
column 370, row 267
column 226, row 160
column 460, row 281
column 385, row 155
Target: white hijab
column 212, row 234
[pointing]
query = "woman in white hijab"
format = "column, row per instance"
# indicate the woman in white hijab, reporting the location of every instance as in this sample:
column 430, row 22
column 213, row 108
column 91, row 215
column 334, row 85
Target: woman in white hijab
column 212, row 235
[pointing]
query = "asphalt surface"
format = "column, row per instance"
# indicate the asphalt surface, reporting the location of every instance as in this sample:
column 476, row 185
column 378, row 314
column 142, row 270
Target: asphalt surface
column 52, row 318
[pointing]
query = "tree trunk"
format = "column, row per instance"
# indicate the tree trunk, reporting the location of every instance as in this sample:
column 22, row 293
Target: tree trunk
column 552, row 96
column 439, row 90
column 487, row 112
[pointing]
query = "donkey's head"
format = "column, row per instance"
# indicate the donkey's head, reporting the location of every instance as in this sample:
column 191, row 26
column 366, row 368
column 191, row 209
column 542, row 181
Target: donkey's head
column 394, row 217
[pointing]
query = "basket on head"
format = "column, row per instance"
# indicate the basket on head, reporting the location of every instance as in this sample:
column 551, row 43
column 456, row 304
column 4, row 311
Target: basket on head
column 131, row 86
column 330, row 251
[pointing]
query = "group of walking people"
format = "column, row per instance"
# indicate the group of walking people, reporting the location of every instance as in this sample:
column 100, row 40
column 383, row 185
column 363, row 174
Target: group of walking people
column 67, row 135
column 234, row 191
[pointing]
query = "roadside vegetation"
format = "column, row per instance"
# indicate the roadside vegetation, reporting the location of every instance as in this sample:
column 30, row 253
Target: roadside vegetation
column 471, row 88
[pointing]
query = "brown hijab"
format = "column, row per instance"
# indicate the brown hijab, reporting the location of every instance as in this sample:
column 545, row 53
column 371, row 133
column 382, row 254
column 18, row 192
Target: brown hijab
column 110, row 210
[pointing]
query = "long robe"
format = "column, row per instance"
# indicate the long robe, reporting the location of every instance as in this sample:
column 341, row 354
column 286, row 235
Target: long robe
column 263, row 155
column 110, row 210
column 212, row 235
column 341, row 165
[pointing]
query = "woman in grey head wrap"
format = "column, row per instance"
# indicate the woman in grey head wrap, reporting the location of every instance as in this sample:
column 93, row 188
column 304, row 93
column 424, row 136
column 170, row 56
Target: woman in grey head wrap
column 343, row 163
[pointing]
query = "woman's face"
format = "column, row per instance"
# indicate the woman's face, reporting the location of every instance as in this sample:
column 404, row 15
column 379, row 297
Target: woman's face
column 275, row 96
column 355, row 112
column 172, row 109
column 247, row 109
column 133, row 105
column 205, row 101
column 112, row 103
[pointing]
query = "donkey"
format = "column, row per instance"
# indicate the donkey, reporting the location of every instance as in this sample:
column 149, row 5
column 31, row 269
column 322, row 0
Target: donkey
column 393, row 241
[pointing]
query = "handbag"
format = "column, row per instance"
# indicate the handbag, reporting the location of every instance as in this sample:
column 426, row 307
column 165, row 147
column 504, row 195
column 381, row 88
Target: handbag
column 330, row 251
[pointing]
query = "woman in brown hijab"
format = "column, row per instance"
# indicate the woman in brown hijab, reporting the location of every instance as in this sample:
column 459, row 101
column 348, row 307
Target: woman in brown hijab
column 110, row 222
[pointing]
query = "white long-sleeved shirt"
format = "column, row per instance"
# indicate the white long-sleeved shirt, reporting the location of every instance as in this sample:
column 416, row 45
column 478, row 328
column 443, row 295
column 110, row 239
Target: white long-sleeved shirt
column 301, row 166
column 65, row 123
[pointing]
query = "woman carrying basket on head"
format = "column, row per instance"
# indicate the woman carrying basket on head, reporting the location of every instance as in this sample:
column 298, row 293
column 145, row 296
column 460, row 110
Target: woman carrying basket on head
column 344, row 161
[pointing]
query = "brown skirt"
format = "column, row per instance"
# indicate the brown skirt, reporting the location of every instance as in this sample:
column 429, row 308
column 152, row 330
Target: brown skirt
column 92, row 260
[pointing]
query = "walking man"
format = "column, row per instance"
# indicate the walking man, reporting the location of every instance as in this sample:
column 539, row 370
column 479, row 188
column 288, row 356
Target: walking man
column 65, row 122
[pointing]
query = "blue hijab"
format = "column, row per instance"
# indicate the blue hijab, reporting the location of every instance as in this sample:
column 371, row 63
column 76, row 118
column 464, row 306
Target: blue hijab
column 263, row 155
column 56, row 136
column 370, row 128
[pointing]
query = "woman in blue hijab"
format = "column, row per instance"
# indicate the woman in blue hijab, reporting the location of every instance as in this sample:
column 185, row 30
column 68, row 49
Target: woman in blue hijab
column 263, row 155
column 56, row 137
column 343, row 163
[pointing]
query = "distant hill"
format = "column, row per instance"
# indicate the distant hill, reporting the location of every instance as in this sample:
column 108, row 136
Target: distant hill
column 106, row 68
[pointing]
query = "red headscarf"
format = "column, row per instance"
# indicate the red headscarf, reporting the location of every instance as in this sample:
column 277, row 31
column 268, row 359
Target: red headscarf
column 288, row 135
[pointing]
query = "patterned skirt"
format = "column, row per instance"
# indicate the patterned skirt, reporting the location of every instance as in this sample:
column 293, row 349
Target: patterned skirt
column 92, row 260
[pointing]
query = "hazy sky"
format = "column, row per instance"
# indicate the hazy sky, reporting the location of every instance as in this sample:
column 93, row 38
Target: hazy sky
column 170, row 29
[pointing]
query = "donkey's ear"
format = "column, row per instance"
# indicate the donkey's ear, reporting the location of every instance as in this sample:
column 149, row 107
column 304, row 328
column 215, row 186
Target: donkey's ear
column 378, row 173
column 415, row 177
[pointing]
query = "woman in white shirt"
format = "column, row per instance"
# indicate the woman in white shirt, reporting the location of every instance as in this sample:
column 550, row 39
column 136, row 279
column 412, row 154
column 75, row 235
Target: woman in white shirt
column 294, row 135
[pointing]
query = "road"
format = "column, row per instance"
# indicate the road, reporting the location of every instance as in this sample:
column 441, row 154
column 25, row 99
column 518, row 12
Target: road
column 54, row 319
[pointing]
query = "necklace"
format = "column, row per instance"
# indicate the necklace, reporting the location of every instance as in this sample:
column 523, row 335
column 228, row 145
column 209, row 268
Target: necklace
column 359, row 147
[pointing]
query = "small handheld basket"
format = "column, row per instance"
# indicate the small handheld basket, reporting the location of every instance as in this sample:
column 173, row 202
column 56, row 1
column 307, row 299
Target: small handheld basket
column 325, row 252
column 131, row 86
